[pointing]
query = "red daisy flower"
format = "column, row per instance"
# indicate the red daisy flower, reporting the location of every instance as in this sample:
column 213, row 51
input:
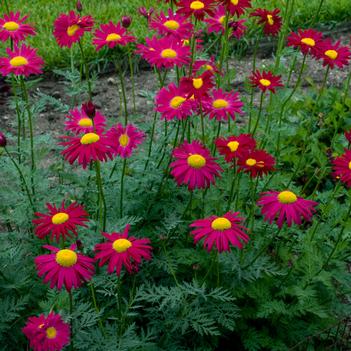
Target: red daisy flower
column 194, row 166
column 60, row 222
column 234, row 146
column 12, row 26
column 21, row 61
column 334, row 54
column 78, row 122
column 238, row 28
column 110, row 35
column 236, row 7
column 89, row 147
column 201, row 66
column 198, row 86
column 307, row 40
column 216, row 23
column 265, row 81
column 123, row 140
column 223, row 104
column 270, row 19
column 122, row 251
column 64, row 267
column 342, row 168
column 196, row 7
column 220, row 231
column 172, row 25
column 285, row 207
column 172, row 102
column 256, row 162
column 49, row 333
column 165, row 52
column 69, row 29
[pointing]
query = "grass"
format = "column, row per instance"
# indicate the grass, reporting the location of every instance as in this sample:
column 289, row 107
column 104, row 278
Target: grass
column 43, row 14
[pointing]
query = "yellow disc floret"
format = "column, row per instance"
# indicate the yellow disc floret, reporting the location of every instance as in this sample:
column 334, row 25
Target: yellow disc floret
column 233, row 146
column 350, row 165
column 196, row 161
column 60, row 218
column 270, row 20
column 250, row 162
column 121, row 245
column 171, row 24
column 265, row 82
column 220, row 103
column 10, row 26
column 51, row 333
column 234, row 2
column 197, row 5
column 85, row 122
column 89, row 138
column 168, row 53
column 113, row 37
column 71, row 30
column 332, row 54
column 221, row 223
column 308, row 41
column 177, row 101
column 198, row 83
column 66, row 258
column 18, row 61
column 123, row 140
column 287, row 197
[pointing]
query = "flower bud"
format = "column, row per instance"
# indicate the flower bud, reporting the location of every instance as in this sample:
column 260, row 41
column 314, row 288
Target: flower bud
column 126, row 21
column 3, row 140
column 89, row 109
column 79, row 6
column 146, row 13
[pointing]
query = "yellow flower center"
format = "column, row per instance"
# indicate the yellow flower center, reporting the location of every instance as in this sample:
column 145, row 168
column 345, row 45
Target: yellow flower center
column 198, row 83
column 350, row 165
column 265, row 82
column 197, row 5
column 287, row 197
column 332, row 54
column 177, row 101
column 171, row 24
column 85, row 122
column 220, row 103
column 221, row 223
column 196, row 161
column 250, row 162
column 270, row 20
column 233, row 146
column 308, row 41
column 51, row 333
column 123, row 140
column 11, row 26
column 66, row 258
column 60, row 218
column 234, row 2
column 113, row 37
column 185, row 42
column 221, row 19
column 89, row 138
column 71, row 30
column 18, row 61
column 168, row 53
column 121, row 245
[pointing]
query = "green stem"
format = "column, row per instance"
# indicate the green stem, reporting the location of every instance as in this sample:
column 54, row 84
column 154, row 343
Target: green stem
column 122, row 188
column 86, row 68
column 131, row 68
column 316, row 16
column 224, row 46
column 259, row 114
column 92, row 290
column 7, row 6
column 347, row 87
column 193, row 49
column 124, row 96
column 151, row 140
column 232, row 186
column 202, row 124
column 321, row 90
column 217, row 135
column 101, row 197
column 189, row 205
column 19, row 118
column 71, row 313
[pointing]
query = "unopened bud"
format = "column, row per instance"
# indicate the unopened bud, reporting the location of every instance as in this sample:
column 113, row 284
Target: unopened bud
column 126, row 21
column 3, row 140
column 89, row 109
column 79, row 6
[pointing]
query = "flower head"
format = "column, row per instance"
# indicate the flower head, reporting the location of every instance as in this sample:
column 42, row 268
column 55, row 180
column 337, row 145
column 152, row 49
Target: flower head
column 123, row 140
column 342, row 168
column 222, row 104
column 47, row 333
column 307, row 40
column 334, row 54
column 64, row 267
column 194, row 166
column 236, row 7
column 197, row 87
column 201, row 66
column 256, row 162
column 197, row 8
column 21, row 61
column 110, row 35
column 270, row 19
column 216, row 23
column 238, row 28
column 60, row 222
column 265, row 81
column 122, row 251
column 12, row 27
column 285, row 207
column 69, row 28
column 234, row 146
column 220, row 231
column 86, row 148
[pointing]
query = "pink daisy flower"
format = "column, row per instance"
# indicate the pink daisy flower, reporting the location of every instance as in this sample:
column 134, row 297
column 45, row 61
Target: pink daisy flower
column 236, row 7
column 172, row 25
column 78, row 122
column 238, row 28
column 49, row 333
column 122, row 251
column 12, row 26
column 334, row 54
column 123, row 140
column 194, row 166
column 215, row 24
column 111, row 35
column 307, row 40
column 60, row 222
column 256, row 162
column 64, row 267
column 342, row 168
column 265, row 81
column 223, row 104
column 201, row 66
column 21, row 61
column 285, row 207
column 220, row 231
column 197, row 8
column 89, row 147
column 69, row 29
column 165, row 52
column 234, row 146
column 172, row 102
column 270, row 19
column 197, row 86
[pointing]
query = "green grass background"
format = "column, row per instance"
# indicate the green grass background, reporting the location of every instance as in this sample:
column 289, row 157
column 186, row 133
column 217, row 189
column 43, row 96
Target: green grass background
column 43, row 13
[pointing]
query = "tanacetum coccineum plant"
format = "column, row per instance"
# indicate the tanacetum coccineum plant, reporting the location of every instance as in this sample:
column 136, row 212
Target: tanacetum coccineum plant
column 224, row 216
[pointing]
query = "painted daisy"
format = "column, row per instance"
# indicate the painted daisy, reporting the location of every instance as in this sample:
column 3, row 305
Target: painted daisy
column 236, row 7
column 64, row 267
column 238, row 28
column 215, row 24
column 308, row 40
column 194, row 166
column 201, row 66
column 265, row 81
column 256, row 162
column 198, row 8
column 342, row 168
column 285, row 207
column 197, row 86
column 271, row 20
column 122, row 251
column 334, row 54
